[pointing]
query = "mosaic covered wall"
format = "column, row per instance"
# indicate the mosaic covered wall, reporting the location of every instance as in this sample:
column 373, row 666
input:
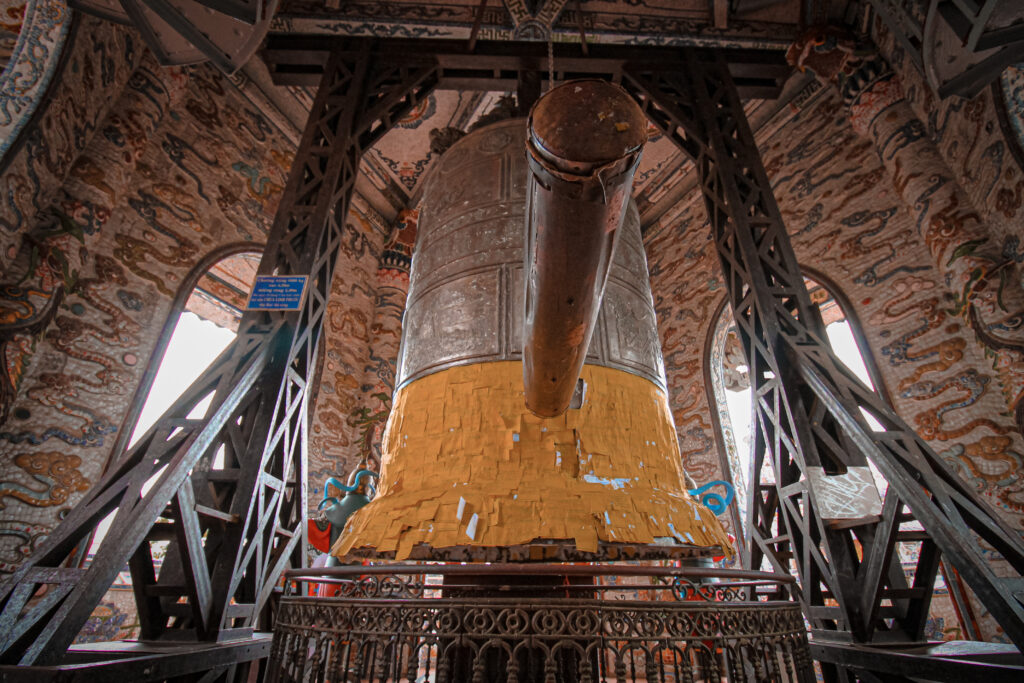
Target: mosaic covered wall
column 180, row 166
column 846, row 220
column 101, row 58
column 361, row 350
column 978, row 264
column 972, row 142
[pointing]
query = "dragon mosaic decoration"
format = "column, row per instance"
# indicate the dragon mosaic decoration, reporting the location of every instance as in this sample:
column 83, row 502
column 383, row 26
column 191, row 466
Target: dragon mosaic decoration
column 927, row 356
column 145, row 171
column 359, row 372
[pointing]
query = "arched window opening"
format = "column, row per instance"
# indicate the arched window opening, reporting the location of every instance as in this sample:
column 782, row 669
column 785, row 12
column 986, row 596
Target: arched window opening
column 732, row 397
column 206, row 324
column 731, row 391
column 202, row 323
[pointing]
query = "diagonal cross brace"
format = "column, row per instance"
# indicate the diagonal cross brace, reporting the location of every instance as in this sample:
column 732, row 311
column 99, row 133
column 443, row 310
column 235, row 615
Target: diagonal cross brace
column 807, row 406
column 52, row 627
column 948, row 510
column 232, row 526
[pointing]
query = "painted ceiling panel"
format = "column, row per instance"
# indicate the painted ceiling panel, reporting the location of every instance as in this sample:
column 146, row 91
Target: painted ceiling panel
column 665, row 22
column 397, row 165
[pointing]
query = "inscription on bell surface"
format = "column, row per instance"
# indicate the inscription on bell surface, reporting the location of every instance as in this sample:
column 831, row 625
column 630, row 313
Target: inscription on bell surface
column 457, row 320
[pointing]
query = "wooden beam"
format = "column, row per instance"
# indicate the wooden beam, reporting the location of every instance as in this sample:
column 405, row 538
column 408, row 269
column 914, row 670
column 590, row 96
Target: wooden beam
column 496, row 65
column 720, row 13
column 471, row 45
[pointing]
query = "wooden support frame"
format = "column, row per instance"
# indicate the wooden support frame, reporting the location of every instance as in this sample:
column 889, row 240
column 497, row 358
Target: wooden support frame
column 810, row 409
column 153, row 660
column 224, row 491
column 496, row 65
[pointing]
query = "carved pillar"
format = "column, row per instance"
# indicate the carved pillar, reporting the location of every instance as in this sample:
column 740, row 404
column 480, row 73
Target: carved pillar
column 986, row 286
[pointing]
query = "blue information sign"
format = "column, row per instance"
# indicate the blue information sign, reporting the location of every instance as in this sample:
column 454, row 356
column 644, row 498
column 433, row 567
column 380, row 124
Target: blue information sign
column 277, row 293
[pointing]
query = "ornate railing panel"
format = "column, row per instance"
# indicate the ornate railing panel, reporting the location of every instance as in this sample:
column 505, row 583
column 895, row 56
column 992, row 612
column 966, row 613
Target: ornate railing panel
column 551, row 623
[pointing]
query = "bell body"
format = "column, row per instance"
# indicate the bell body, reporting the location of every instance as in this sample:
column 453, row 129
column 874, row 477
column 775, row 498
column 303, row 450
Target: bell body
column 468, row 472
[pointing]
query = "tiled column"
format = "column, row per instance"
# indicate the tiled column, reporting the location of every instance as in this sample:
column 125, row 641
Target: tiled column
column 986, row 287
column 386, row 331
column 358, row 377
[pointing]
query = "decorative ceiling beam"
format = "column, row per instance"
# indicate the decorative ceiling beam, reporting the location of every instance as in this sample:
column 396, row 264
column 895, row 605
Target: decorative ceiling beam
column 678, row 25
column 536, row 23
column 495, row 65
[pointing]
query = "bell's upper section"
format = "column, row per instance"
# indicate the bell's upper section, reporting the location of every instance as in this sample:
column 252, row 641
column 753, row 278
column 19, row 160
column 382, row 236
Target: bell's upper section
column 466, row 294
column 585, row 124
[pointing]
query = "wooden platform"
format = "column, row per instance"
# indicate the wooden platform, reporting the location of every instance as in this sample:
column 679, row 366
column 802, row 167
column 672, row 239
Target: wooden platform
column 130, row 660
column 954, row 661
